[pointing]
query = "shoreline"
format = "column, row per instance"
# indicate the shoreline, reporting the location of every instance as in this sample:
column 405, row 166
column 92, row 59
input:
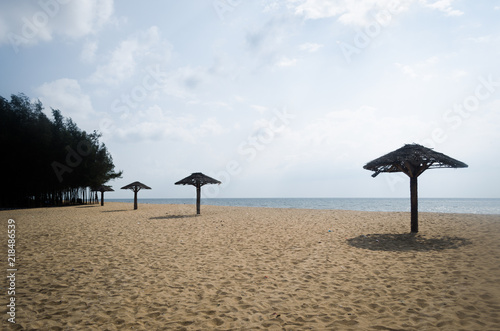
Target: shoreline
column 488, row 206
column 162, row 266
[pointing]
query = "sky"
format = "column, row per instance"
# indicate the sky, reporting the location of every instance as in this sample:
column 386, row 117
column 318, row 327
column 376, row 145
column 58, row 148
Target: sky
column 274, row 98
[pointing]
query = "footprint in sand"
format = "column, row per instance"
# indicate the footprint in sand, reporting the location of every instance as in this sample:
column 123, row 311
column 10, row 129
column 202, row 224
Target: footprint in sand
column 422, row 303
column 217, row 321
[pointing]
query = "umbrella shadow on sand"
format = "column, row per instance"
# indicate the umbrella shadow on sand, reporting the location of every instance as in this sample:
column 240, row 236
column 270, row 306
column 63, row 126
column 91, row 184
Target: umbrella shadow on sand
column 113, row 211
column 403, row 242
column 170, row 217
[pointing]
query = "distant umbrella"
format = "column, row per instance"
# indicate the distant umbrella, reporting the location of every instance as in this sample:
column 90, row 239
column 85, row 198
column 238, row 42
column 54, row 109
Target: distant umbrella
column 413, row 160
column 198, row 179
column 102, row 189
column 136, row 187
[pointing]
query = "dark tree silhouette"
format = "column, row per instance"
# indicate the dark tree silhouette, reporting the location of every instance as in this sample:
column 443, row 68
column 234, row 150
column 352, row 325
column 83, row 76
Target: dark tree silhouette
column 48, row 162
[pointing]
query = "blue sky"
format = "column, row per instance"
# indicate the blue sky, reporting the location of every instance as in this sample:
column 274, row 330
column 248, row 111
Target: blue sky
column 284, row 98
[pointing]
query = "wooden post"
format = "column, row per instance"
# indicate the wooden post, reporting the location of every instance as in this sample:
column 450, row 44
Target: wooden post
column 198, row 198
column 414, row 204
column 135, row 197
column 102, row 198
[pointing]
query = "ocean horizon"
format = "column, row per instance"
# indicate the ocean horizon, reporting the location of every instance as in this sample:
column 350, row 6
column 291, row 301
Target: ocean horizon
column 434, row 205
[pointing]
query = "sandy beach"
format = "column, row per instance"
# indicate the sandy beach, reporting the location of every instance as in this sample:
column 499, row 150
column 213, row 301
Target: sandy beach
column 161, row 267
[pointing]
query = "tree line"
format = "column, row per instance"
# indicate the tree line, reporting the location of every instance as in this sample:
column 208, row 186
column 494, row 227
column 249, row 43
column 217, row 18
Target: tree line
column 46, row 161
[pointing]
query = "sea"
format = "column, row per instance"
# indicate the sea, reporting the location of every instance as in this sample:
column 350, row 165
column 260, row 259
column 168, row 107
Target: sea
column 435, row 205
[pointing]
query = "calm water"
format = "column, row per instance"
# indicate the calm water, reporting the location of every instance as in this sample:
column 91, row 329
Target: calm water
column 462, row 206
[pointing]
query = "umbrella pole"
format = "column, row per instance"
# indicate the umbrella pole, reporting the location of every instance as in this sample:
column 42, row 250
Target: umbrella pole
column 135, row 199
column 414, row 204
column 198, row 198
column 102, row 198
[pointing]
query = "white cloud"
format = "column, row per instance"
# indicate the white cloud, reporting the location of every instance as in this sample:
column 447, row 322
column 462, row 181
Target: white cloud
column 458, row 73
column 86, row 17
column 349, row 12
column 363, row 12
column 66, row 95
column 479, row 129
column 319, row 8
column 442, row 5
column 88, row 51
column 347, row 135
column 407, row 70
column 482, row 39
column 339, row 139
column 423, row 70
column 259, row 109
column 335, row 144
column 143, row 47
column 310, row 47
column 157, row 124
column 29, row 22
column 286, row 62
column 209, row 127
column 271, row 5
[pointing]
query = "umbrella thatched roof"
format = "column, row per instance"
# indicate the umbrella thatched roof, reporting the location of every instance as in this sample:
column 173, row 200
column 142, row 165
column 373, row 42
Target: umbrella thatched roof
column 197, row 179
column 412, row 159
column 104, row 188
column 136, row 185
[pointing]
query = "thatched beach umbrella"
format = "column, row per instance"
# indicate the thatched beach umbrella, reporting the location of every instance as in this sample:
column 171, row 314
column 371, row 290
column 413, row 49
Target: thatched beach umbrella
column 102, row 189
column 413, row 160
column 136, row 187
column 198, row 179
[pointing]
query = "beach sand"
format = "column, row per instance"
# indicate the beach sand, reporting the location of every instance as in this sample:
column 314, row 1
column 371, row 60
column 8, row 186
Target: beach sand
column 161, row 267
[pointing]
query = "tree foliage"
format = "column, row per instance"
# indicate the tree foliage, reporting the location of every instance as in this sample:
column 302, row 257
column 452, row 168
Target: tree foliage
column 47, row 162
